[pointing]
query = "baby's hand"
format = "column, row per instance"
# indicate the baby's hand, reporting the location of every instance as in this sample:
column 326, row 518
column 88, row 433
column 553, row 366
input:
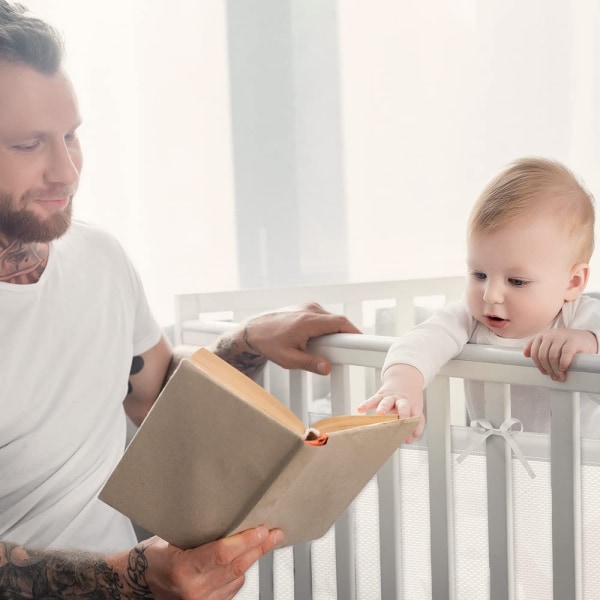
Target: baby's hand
column 553, row 350
column 401, row 394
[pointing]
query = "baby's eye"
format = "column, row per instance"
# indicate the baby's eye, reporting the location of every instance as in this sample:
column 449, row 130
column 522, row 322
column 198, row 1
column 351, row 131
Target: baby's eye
column 517, row 282
column 478, row 275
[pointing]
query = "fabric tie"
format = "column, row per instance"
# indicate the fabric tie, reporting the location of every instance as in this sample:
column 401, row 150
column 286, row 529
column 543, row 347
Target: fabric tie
column 484, row 428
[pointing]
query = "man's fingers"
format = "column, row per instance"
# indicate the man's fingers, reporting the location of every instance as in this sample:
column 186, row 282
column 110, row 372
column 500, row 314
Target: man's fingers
column 231, row 557
column 228, row 549
column 300, row 359
column 229, row 590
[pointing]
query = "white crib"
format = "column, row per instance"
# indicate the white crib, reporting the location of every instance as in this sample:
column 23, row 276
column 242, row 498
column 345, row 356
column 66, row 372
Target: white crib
column 430, row 527
column 382, row 307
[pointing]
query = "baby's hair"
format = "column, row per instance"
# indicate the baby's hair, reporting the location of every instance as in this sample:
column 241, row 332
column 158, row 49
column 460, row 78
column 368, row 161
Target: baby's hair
column 530, row 187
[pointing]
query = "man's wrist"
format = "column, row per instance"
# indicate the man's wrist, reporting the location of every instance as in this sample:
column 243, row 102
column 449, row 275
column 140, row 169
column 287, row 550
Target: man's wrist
column 246, row 338
column 237, row 351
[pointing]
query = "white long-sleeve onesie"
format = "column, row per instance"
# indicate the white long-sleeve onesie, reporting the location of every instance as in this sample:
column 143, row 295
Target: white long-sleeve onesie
column 431, row 344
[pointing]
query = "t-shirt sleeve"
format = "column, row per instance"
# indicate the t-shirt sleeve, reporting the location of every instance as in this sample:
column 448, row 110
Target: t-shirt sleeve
column 147, row 331
column 431, row 344
column 584, row 314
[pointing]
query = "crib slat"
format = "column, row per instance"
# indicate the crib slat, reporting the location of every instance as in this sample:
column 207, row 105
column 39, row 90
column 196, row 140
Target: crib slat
column 302, row 571
column 499, row 490
column 440, row 489
column 344, row 527
column 265, row 577
column 566, row 494
column 299, row 388
column 390, row 528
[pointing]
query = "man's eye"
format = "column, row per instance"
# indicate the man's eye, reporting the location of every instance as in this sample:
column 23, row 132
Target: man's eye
column 478, row 275
column 27, row 147
column 517, row 282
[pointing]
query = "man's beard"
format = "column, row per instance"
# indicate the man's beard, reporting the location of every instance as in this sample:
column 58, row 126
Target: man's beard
column 24, row 225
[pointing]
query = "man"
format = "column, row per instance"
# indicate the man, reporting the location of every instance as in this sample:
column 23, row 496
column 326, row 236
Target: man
column 72, row 315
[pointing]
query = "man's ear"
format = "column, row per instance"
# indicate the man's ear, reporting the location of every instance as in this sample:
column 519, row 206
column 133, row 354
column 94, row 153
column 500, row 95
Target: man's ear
column 580, row 274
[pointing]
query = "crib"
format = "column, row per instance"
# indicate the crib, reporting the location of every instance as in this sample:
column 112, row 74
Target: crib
column 429, row 526
column 382, row 307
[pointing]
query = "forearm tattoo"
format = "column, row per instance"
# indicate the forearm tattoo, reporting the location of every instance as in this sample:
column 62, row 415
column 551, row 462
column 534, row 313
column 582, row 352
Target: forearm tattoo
column 249, row 363
column 33, row 574
column 137, row 565
column 137, row 364
column 26, row 573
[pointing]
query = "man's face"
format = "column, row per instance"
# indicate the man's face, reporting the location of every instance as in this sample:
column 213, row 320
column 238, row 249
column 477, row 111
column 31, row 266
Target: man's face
column 40, row 156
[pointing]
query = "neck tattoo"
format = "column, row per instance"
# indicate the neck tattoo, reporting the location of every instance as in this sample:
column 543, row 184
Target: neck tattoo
column 22, row 263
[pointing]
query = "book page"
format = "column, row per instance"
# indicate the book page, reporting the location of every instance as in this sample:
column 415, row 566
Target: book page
column 340, row 422
column 247, row 389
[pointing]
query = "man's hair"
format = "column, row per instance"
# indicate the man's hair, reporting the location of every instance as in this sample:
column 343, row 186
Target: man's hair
column 533, row 187
column 27, row 40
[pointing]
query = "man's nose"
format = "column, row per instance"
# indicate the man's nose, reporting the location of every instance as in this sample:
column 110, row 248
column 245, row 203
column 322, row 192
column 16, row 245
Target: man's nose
column 61, row 166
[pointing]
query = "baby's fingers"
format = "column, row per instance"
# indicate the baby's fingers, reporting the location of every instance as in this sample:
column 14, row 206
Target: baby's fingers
column 402, row 407
column 369, row 403
column 417, row 431
column 535, row 351
column 387, row 405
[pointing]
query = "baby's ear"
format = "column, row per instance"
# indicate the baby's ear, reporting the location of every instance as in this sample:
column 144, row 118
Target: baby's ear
column 580, row 274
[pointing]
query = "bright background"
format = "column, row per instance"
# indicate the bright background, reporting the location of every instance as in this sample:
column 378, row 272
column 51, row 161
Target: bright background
column 359, row 132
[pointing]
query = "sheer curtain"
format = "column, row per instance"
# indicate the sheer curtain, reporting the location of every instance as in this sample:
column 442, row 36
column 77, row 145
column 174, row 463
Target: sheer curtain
column 435, row 98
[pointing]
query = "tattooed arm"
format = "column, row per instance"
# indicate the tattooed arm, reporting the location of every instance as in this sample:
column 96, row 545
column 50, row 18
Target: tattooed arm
column 281, row 337
column 151, row 570
column 27, row 573
column 148, row 374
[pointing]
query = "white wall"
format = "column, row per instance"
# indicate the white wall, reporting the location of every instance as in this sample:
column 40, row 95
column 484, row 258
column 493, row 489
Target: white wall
column 154, row 92
column 436, row 97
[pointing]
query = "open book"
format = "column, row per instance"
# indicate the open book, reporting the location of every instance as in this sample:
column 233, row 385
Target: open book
column 218, row 454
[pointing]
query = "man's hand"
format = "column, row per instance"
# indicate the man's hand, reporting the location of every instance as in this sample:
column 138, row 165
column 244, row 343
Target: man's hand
column 553, row 350
column 214, row 571
column 153, row 569
column 401, row 393
column 282, row 336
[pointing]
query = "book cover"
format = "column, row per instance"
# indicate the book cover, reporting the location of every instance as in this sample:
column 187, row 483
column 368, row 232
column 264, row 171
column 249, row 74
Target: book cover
column 218, row 454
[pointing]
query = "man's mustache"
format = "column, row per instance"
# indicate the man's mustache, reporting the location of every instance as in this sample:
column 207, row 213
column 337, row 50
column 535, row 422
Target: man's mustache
column 50, row 193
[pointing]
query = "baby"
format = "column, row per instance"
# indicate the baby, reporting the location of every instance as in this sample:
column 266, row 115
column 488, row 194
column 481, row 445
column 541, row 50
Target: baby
column 530, row 238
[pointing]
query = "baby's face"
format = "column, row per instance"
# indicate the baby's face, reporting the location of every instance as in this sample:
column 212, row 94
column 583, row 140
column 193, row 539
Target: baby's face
column 519, row 276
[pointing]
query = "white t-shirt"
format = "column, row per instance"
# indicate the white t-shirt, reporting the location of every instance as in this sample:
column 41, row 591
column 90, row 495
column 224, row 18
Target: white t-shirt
column 431, row 344
column 66, row 347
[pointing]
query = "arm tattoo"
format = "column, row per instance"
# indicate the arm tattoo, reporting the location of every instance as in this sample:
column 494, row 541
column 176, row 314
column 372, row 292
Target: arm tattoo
column 59, row 575
column 137, row 565
column 137, row 364
column 249, row 363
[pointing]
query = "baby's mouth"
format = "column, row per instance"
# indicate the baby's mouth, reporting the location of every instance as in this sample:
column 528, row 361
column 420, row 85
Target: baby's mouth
column 494, row 321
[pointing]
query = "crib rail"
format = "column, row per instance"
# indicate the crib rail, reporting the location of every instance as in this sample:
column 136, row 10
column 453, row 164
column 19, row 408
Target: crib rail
column 349, row 299
column 356, row 363
column 498, row 368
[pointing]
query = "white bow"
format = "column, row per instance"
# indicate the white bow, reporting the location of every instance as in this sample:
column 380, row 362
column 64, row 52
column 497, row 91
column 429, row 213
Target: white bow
column 484, row 428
